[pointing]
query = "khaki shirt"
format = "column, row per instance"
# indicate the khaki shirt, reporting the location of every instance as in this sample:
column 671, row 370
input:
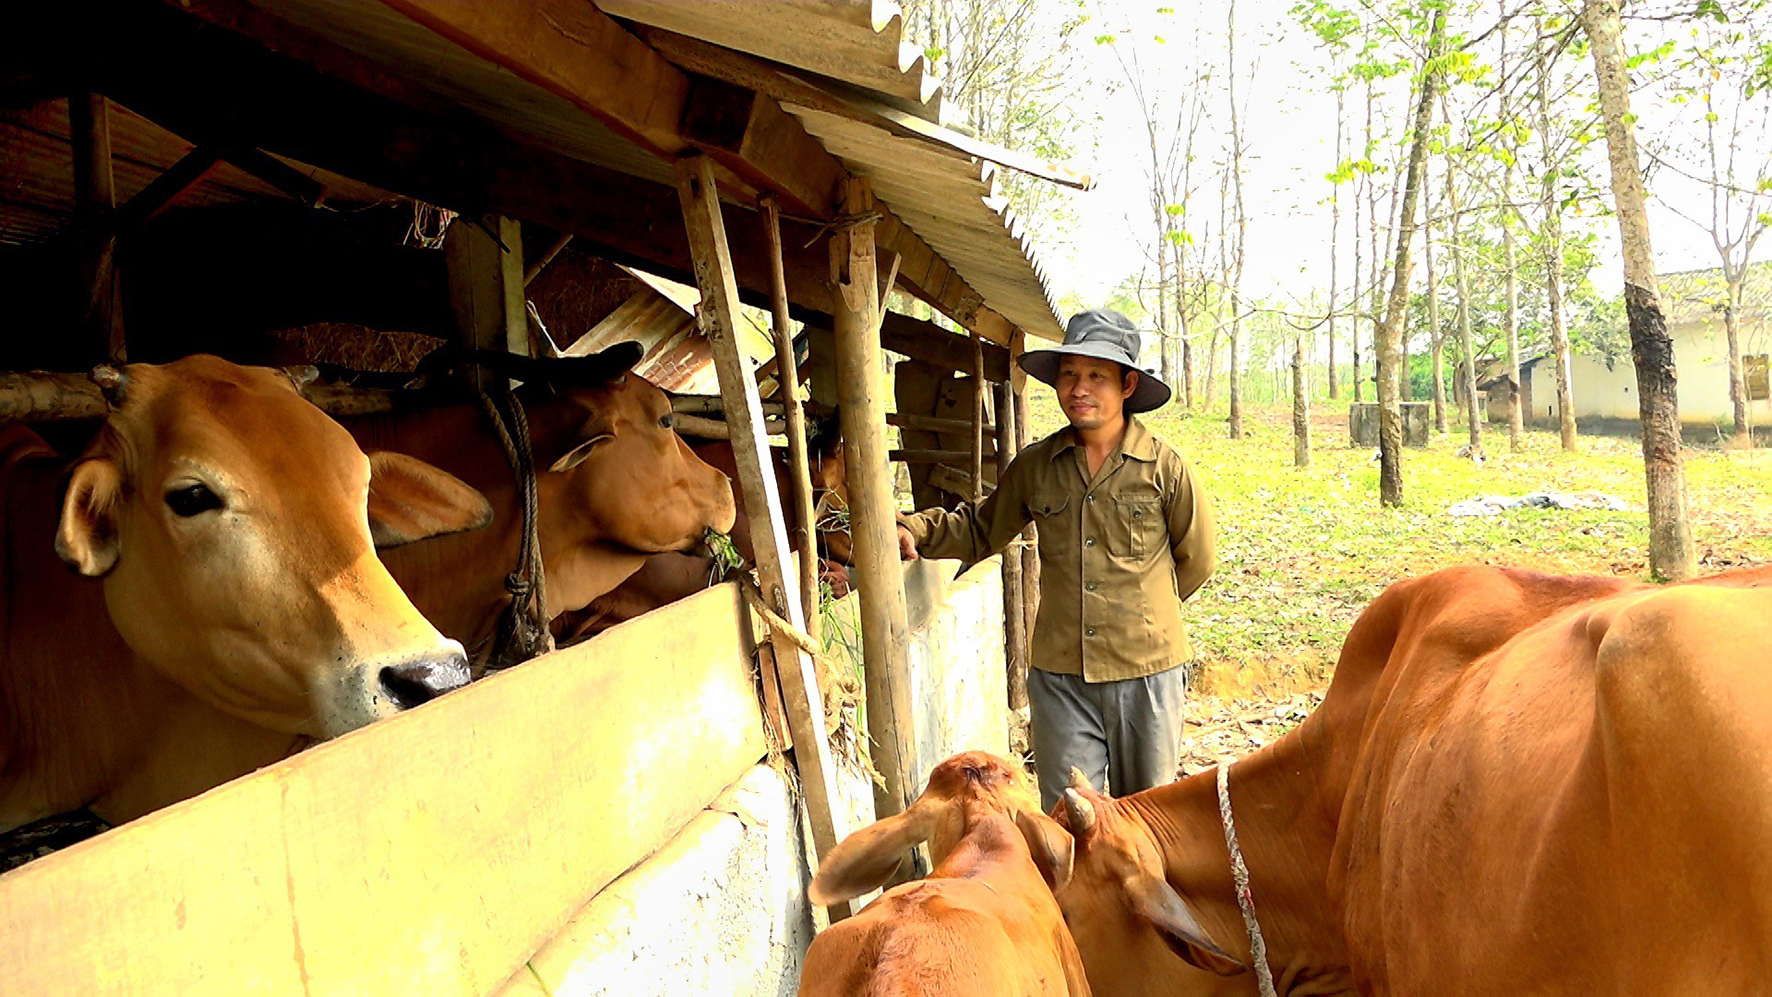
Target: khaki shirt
column 1117, row 554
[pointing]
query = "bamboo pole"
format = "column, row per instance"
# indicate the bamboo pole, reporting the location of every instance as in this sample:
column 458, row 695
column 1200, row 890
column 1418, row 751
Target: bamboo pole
column 1030, row 554
column 861, row 383
column 790, row 394
column 795, row 672
column 95, row 201
column 978, row 390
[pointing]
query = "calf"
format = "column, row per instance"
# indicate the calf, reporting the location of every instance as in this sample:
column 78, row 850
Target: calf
column 983, row 924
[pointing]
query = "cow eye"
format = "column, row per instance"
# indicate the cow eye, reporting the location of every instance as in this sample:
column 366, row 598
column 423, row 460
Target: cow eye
column 192, row 500
column 668, row 420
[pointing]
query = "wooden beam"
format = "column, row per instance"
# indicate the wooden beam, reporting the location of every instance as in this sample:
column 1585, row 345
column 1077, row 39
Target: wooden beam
column 933, row 424
column 166, row 188
column 95, row 198
column 923, row 340
column 796, row 672
column 533, row 269
column 747, row 132
column 800, row 461
column 978, row 393
column 1030, row 552
column 861, row 387
column 485, row 263
column 958, row 458
column 1015, row 643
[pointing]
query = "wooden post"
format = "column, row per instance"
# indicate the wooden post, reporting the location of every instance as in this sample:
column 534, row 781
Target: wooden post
column 1030, row 554
column 861, row 386
column 978, row 391
column 788, row 376
column 486, row 286
column 95, row 200
column 1015, row 647
column 718, row 318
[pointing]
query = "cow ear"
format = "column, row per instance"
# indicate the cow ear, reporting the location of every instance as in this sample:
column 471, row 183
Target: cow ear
column 576, row 456
column 1156, row 901
column 410, row 500
column 865, row 860
column 87, row 537
column 1052, row 847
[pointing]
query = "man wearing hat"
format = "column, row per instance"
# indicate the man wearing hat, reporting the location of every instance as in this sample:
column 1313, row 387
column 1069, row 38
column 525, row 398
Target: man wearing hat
column 1125, row 535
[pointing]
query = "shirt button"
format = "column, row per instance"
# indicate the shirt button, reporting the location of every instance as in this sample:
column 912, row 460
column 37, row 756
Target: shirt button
column 1089, row 542
column 1089, row 587
column 1089, row 498
column 1089, row 632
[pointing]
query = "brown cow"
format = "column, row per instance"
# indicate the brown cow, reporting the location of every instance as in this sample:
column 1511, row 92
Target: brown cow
column 983, row 924
column 228, row 605
column 615, row 484
column 666, row 578
column 1518, row 783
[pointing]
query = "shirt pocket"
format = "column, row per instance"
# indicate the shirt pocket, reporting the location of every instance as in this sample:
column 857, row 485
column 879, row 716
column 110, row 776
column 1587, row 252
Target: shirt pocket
column 1138, row 526
column 1057, row 531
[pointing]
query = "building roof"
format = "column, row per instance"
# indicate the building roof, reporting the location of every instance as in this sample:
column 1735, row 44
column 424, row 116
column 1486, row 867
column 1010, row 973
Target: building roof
column 1697, row 296
column 839, row 67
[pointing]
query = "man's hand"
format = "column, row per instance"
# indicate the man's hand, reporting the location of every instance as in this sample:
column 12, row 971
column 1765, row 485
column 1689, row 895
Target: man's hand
column 907, row 546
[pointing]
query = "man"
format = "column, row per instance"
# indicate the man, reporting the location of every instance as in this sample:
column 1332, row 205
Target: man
column 1125, row 536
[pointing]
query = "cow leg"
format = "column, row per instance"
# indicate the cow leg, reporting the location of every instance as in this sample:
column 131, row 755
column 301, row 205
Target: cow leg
column 1067, row 732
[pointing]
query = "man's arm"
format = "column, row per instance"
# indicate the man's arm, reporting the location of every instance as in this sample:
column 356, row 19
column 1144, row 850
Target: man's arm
column 1193, row 535
column 969, row 533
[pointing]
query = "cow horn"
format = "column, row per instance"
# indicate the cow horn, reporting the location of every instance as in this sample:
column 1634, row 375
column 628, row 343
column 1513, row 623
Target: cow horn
column 302, row 375
column 1079, row 780
column 112, row 381
column 1081, row 813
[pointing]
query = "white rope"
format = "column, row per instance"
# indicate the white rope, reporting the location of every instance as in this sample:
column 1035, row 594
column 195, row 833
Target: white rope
column 1240, row 873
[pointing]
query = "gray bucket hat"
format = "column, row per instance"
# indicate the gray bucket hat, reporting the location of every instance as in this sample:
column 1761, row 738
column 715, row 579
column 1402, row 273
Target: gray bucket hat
column 1107, row 335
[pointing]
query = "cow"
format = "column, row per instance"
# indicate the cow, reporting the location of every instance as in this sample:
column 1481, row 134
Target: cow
column 1517, row 783
column 666, row 578
column 226, row 605
column 615, row 485
column 983, row 924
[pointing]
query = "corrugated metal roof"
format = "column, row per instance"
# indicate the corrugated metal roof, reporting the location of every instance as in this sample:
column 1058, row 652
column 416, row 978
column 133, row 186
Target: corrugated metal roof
column 858, row 42
column 661, row 318
column 1698, row 295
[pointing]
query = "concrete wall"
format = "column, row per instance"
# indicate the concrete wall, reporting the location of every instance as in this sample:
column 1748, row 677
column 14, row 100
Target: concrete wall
column 722, row 908
column 1701, row 356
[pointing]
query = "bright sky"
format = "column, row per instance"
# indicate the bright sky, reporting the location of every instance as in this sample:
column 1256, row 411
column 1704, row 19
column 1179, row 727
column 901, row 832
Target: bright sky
column 1289, row 128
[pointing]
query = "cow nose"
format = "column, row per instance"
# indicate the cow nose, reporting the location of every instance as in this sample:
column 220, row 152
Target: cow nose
column 422, row 681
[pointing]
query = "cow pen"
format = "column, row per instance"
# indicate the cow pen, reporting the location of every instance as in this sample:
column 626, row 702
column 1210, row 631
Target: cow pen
column 362, row 181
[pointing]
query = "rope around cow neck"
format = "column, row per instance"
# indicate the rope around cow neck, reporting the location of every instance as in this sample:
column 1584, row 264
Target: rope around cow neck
column 523, row 626
column 1240, row 873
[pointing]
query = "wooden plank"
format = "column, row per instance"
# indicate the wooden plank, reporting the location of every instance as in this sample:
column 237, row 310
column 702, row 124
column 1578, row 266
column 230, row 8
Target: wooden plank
column 934, row 424
column 485, row 264
column 166, row 188
column 923, row 340
column 1015, row 636
column 748, row 132
column 430, row 853
column 861, row 386
column 961, row 458
column 718, row 316
column 801, row 464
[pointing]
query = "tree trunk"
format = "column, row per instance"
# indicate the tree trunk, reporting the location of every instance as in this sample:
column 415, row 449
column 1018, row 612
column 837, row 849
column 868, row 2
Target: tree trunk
column 1671, row 555
column 1235, row 364
column 1390, row 334
column 1301, row 407
column 1335, row 243
column 1510, row 263
column 1737, row 383
column 1436, row 341
column 1473, row 411
column 1354, row 332
column 1553, row 259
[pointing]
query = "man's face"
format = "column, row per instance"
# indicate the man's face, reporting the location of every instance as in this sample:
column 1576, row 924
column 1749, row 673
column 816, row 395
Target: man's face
column 1092, row 391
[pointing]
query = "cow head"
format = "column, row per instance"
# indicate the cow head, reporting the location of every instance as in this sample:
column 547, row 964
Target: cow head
column 615, row 468
column 1121, row 909
column 234, row 526
column 960, row 789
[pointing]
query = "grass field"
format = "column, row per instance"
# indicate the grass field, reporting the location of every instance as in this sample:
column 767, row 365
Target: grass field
column 1302, row 550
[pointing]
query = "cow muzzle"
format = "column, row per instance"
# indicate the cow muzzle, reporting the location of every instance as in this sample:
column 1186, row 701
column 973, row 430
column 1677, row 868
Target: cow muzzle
column 411, row 683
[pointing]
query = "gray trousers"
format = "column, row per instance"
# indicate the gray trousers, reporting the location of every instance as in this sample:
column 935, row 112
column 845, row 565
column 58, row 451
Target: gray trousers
column 1125, row 735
